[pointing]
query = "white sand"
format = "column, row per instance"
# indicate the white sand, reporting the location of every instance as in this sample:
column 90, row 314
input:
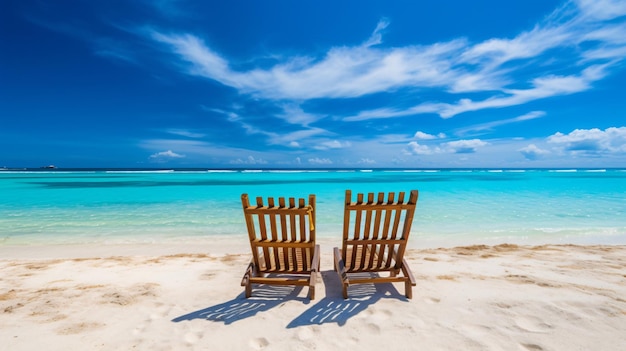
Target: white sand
column 151, row 297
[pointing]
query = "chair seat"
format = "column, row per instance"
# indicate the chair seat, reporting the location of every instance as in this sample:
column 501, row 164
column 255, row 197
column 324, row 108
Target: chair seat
column 375, row 237
column 282, row 240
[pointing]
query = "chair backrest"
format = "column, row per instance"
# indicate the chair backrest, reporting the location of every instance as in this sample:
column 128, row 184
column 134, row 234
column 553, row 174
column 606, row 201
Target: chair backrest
column 282, row 234
column 376, row 231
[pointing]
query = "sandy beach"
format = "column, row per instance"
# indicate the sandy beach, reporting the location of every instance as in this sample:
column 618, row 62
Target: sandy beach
column 188, row 297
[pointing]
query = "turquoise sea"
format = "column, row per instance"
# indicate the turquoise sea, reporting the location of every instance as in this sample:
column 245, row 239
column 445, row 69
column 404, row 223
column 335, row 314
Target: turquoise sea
column 455, row 207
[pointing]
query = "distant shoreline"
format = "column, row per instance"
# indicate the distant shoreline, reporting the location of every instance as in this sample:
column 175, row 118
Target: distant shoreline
column 253, row 169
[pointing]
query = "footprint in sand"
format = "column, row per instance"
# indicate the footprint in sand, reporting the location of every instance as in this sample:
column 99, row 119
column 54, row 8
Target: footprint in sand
column 160, row 312
column 307, row 333
column 78, row 328
column 432, row 300
column 532, row 347
column 192, row 337
column 259, row 343
column 532, row 324
column 55, row 318
column 139, row 329
column 373, row 328
column 375, row 319
column 207, row 276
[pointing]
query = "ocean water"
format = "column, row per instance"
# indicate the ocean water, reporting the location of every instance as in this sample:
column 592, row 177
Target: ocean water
column 455, row 207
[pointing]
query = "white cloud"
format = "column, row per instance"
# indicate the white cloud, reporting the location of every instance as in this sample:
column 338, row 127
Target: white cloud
column 463, row 146
column 163, row 155
column 367, row 161
column 454, row 147
column 417, row 149
column 196, row 149
column 320, row 161
column 249, row 161
column 592, row 141
column 332, row 144
column 425, row 136
column 532, row 152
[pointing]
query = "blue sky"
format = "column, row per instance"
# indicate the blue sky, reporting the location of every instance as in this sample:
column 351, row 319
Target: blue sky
column 313, row 84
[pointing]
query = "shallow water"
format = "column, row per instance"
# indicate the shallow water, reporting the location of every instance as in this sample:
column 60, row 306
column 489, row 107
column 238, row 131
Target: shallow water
column 454, row 207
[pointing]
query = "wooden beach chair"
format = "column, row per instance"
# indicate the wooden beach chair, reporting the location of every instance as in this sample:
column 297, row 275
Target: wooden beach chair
column 282, row 239
column 375, row 235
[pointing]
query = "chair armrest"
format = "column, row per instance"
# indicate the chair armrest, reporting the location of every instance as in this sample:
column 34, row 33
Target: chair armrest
column 248, row 274
column 340, row 265
column 315, row 265
column 407, row 272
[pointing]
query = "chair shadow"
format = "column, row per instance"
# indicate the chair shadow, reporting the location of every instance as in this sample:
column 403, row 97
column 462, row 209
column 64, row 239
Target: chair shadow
column 264, row 298
column 334, row 309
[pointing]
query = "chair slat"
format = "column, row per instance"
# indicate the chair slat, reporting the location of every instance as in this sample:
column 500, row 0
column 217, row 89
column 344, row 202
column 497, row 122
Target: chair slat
column 263, row 232
column 292, row 220
column 302, row 232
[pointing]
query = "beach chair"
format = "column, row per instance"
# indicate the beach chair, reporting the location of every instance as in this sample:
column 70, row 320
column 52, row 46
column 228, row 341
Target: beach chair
column 375, row 235
column 282, row 239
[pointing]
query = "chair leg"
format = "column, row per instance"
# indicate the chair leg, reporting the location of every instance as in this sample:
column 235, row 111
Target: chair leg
column 312, row 293
column 345, row 291
column 408, row 289
column 248, row 289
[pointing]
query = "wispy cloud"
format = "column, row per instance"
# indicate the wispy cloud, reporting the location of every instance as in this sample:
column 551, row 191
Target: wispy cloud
column 377, row 37
column 452, row 67
column 186, row 133
column 602, row 9
column 491, row 125
column 293, row 113
column 301, row 137
column 105, row 46
column 543, row 87
column 343, row 72
column 296, row 137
